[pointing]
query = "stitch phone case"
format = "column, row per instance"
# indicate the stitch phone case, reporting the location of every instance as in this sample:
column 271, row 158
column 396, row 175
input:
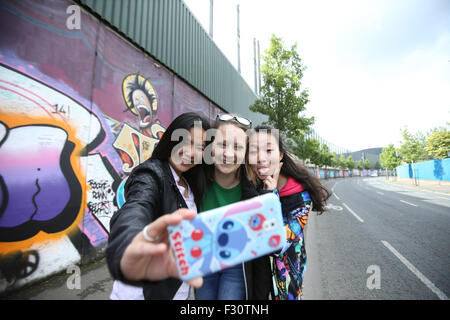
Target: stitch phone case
column 223, row 237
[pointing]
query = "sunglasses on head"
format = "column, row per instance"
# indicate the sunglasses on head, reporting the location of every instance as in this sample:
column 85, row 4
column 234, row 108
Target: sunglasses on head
column 228, row 117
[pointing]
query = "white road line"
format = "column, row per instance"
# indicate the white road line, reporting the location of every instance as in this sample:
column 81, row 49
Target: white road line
column 353, row 213
column 380, row 192
column 411, row 204
column 337, row 196
column 418, row 274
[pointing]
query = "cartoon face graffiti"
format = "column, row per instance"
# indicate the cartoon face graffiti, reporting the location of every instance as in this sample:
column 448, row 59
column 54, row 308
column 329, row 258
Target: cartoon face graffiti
column 141, row 100
column 142, row 103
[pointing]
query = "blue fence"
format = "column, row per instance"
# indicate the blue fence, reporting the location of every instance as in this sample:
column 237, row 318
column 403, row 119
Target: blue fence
column 438, row 170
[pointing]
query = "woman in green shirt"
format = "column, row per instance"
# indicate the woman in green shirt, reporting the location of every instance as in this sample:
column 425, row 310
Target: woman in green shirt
column 228, row 183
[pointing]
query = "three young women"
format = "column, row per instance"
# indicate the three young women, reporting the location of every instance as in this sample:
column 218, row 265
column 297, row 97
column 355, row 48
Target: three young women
column 161, row 185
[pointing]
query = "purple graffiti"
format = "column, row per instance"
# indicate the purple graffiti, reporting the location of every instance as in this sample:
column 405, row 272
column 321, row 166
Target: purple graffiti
column 38, row 182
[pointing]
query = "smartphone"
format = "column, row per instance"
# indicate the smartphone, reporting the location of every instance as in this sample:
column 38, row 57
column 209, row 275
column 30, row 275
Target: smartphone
column 223, row 237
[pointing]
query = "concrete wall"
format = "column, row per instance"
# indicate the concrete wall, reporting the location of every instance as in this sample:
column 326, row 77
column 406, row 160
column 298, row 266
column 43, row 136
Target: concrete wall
column 69, row 135
column 433, row 171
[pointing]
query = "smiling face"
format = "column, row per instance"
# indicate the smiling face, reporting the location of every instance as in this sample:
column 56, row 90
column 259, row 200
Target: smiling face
column 191, row 151
column 264, row 154
column 229, row 148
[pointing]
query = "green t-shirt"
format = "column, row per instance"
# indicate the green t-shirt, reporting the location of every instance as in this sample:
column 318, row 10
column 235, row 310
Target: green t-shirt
column 217, row 196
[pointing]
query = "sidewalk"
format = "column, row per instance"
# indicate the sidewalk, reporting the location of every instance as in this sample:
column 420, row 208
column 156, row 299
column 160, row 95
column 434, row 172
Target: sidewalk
column 444, row 189
column 95, row 284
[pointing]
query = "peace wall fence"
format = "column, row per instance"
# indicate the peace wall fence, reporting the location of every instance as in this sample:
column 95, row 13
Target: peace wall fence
column 80, row 107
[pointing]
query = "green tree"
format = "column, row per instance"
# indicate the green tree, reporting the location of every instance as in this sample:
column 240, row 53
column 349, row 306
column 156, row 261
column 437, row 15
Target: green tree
column 342, row 162
column 367, row 164
column 412, row 148
column 360, row 165
column 322, row 156
column 389, row 159
column 334, row 160
column 302, row 147
column 282, row 99
column 438, row 144
column 350, row 163
column 325, row 155
column 314, row 151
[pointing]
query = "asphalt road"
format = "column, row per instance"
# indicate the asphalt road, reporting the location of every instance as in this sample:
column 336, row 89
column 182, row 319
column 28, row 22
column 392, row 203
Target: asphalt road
column 379, row 241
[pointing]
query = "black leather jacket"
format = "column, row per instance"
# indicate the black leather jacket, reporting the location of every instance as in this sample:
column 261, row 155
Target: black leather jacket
column 151, row 192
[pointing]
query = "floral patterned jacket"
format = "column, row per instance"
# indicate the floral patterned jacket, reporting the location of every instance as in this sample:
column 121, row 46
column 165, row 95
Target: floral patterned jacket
column 288, row 265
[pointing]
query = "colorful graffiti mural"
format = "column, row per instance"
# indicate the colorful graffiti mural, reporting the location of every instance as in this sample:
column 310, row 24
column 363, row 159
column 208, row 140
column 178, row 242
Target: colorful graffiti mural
column 79, row 109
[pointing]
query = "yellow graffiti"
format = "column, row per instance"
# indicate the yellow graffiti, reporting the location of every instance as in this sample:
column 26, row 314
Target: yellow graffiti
column 134, row 147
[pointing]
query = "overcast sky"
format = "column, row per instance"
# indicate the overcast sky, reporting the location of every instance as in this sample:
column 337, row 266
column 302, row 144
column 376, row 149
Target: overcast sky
column 373, row 66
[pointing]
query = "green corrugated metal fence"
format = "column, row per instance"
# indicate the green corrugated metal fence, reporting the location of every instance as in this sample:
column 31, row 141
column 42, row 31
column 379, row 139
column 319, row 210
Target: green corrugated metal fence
column 167, row 30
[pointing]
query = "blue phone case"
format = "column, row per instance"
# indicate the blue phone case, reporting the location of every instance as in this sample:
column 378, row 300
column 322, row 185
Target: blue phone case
column 223, row 237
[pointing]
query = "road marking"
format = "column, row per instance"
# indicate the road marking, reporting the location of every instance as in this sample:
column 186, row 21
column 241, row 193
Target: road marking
column 353, row 213
column 331, row 206
column 380, row 192
column 414, row 270
column 337, row 196
column 411, row 204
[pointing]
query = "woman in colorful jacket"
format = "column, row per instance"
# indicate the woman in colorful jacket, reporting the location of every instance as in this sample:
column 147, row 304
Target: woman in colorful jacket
column 275, row 170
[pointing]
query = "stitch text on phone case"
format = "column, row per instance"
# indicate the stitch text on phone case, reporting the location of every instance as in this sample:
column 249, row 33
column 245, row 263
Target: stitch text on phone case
column 179, row 251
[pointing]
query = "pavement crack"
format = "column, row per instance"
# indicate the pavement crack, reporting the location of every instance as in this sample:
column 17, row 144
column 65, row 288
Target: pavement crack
column 93, row 288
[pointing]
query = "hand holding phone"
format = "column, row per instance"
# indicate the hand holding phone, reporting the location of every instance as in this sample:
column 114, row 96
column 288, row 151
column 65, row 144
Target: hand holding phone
column 226, row 236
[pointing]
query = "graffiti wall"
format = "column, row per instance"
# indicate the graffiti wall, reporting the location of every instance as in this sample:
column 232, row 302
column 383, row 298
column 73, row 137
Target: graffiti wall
column 79, row 109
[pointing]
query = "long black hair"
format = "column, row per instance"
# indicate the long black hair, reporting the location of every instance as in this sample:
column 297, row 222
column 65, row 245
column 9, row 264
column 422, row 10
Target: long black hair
column 291, row 168
column 195, row 176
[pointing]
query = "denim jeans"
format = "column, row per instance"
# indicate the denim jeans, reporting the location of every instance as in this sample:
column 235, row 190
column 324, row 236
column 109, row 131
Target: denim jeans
column 227, row 284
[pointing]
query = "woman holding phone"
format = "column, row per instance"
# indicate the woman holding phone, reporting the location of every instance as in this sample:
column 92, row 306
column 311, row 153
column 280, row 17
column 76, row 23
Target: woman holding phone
column 161, row 191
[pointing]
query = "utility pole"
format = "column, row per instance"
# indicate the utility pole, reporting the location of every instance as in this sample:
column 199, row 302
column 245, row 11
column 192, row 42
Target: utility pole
column 238, row 41
column 414, row 172
column 254, row 63
column 211, row 16
column 259, row 71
